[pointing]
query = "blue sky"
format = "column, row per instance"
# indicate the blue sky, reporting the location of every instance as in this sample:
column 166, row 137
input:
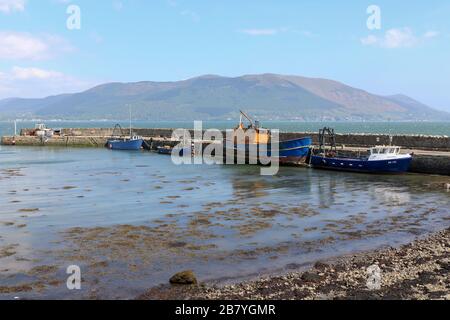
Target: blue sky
column 162, row 40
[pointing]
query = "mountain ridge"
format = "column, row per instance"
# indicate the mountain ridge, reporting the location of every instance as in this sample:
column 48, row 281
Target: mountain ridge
column 212, row 97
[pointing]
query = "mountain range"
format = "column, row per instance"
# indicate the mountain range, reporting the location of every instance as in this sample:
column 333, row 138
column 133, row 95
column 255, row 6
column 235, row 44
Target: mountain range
column 211, row 97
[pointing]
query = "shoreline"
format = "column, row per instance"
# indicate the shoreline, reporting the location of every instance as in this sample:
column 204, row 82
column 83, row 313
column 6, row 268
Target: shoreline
column 418, row 270
column 431, row 153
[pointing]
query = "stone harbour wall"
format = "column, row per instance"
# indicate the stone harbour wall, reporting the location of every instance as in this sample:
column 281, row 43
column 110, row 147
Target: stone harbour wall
column 423, row 142
column 56, row 141
column 437, row 162
column 441, row 143
column 431, row 164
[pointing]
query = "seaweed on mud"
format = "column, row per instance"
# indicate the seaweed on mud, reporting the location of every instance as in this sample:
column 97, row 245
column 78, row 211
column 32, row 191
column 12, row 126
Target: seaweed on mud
column 29, row 210
column 8, row 250
column 16, row 289
column 252, row 227
column 68, row 187
column 45, row 269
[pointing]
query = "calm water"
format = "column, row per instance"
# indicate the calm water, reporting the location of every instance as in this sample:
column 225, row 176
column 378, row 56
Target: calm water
column 427, row 128
column 138, row 219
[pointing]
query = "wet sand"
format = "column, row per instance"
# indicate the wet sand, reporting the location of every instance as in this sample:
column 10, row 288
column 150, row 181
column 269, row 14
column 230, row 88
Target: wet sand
column 419, row 270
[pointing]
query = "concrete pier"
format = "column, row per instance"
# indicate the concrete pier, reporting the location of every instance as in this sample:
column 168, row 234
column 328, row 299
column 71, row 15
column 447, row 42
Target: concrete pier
column 421, row 142
column 431, row 153
column 56, row 141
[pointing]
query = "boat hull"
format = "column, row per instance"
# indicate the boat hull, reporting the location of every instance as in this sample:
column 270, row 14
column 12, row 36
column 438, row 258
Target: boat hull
column 290, row 152
column 400, row 165
column 295, row 143
column 169, row 151
column 165, row 151
column 125, row 144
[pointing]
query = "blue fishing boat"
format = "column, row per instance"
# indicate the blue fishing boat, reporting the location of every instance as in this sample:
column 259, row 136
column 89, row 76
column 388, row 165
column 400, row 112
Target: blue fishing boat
column 380, row 159
column 133, row 143
column 296, row 150
column 168, row 150
column 120, row 142
column 165, row 150
column 293, row 151
column 293, row 155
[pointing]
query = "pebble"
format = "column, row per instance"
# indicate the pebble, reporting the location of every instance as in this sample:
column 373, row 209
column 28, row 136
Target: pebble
column 185, row 278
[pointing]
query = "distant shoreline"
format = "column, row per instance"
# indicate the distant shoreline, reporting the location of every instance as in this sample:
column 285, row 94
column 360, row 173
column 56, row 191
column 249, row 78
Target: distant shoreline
column 435, row 128
column 231, row 121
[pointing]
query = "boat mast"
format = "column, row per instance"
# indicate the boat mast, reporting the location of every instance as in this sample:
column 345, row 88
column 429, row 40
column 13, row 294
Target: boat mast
column 247, row 117
column 391, row 138
column 129, row 107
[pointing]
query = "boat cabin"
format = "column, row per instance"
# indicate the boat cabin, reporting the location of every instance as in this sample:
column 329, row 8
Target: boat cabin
column 251, row 134
column 384, row 152
column 40, row 130
column 40, row 126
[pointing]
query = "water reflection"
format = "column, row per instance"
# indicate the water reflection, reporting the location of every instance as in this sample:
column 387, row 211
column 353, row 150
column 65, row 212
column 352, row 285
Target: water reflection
column 138, row 211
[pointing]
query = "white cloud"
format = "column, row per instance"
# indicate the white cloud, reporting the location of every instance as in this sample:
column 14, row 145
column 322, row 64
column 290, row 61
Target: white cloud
column 97, row 38
column 9, row 6
column 398, row 38
column 34, row 73
column 308, row 34
column 30, row 82
column 117, row 5
column 172, row 3
column 14, row 45
column 275, row 31
column 431, row 34
column 260, row 32
column 369, row 40
column 191, row 14
column 194, row 16
column 20, row 45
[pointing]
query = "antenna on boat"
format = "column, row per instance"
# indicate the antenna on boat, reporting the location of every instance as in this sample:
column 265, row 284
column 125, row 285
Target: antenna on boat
column 129, row 109
column 247, row 117
column 391, row 138
column 323, row 135
column 15, row 127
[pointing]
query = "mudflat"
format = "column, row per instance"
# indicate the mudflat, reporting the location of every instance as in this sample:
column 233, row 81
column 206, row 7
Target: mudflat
column 419, row 270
